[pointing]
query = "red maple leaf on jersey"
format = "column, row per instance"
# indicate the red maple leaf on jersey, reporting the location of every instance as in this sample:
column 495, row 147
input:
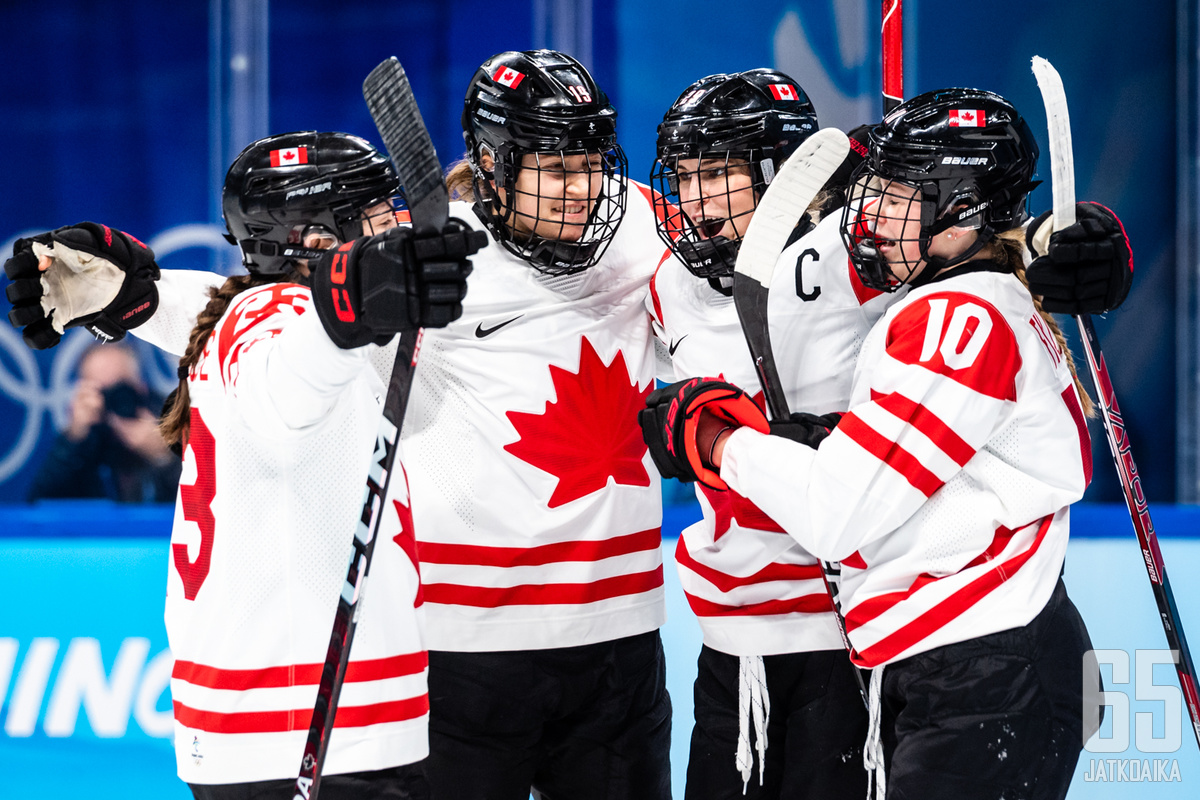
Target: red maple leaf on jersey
column 590, row 433
column 407, row 539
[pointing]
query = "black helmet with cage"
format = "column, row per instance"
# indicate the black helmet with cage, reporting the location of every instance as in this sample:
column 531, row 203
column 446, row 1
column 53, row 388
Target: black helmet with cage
column 544, row 104
column 283, row 187
column 757, row 118
column 970, row 156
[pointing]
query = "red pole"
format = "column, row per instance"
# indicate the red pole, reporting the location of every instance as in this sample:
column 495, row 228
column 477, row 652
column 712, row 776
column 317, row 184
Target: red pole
column 893, row 54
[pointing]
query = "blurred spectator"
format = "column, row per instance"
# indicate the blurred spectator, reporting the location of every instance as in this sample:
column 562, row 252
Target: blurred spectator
column 111, row 447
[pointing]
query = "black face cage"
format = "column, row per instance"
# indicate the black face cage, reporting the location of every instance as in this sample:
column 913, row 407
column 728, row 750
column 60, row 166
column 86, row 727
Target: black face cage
column 551, row 245
column 697, row 242
column 943, row 205
column 269, row 257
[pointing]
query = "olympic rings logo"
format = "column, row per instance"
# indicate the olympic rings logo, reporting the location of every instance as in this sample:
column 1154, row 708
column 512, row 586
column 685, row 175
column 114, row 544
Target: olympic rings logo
column 21, row 377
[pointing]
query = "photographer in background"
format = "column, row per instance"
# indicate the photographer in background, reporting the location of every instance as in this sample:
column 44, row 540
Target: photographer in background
column 111, row 446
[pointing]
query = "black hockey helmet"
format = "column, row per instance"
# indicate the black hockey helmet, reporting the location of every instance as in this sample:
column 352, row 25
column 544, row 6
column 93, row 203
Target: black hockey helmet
column 546, row 103
column 971, row 157
column 282, row 186
column 759, row 118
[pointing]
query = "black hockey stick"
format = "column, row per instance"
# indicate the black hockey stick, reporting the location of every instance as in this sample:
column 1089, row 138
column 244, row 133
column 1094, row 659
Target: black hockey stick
column 394, row 110
column 787, row 198
column 1062, row 168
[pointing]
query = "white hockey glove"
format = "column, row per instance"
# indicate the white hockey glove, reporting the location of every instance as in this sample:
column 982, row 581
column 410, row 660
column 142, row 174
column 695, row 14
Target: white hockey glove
column 85, row 275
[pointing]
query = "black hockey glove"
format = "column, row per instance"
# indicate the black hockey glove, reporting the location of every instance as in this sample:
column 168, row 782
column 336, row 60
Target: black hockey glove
column 837, row 188
column 671, row 417
column 807, row 429
column 1086, row 268
column 99, row 278
column 370, row 289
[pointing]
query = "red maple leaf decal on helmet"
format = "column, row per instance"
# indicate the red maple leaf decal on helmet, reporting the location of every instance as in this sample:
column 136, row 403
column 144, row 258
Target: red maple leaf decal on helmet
column 590, row 433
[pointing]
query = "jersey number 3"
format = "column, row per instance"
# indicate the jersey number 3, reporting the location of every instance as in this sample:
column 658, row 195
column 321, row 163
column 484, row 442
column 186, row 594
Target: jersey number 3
column 197, row 507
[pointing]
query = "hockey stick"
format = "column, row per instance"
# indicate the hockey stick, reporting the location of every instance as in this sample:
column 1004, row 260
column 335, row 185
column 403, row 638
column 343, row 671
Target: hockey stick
column 787, row 198
column 892, row 34
column 394, row 110
column 1062, row 170
column 785, row 201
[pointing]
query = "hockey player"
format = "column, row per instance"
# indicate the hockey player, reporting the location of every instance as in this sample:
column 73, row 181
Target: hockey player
column 277, row 410
column 773, row 668
column 536, row 508
column 945, row 490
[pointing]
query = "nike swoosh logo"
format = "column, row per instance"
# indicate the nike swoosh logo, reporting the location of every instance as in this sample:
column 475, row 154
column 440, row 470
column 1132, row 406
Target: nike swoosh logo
column 675, row 344
column 481, row 331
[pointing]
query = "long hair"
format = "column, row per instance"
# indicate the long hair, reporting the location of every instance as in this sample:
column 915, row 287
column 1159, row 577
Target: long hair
column 459, row 181
column 177, row 410
column 1009, row 248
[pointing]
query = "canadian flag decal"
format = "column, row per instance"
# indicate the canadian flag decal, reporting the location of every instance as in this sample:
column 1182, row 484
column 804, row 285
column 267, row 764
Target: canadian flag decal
column 289, row 156
column 783, row 91
column 966, row 118
column 507, row 76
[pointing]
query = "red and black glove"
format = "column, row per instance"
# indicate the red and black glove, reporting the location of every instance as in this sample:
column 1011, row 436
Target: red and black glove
column 805, row 428
column 99, row 278
column 1086, row 268
column 671, row 419
column 370, row 289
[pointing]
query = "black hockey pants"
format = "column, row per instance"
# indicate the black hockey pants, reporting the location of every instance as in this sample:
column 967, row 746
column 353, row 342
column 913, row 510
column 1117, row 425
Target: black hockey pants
column 995, row 717
column 400, row 783
column 577, row 723
column 815, row 732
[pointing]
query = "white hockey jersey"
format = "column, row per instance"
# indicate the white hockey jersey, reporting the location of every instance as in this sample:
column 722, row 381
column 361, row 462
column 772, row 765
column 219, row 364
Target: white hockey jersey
column 282, row 429
column 537, row 507
column 753, row 588
column 944, row 492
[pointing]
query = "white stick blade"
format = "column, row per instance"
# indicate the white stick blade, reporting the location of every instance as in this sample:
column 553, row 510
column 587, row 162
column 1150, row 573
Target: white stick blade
column 1062, row 159
column 786, row 199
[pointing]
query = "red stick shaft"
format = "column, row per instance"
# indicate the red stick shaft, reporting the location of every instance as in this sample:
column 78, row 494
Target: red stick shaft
column 893, row 54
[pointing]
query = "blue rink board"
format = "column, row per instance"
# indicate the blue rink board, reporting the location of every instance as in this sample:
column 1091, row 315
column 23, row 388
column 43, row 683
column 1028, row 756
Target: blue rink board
column 98, row 601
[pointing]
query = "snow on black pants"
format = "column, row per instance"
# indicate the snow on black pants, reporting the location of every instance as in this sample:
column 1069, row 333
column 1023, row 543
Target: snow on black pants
column 995, row 717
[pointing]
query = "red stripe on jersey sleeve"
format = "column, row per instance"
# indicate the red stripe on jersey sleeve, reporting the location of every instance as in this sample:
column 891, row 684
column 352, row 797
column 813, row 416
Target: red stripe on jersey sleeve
column 299, row 719
column 988, row 366
column 928, row 423
column 1085, row 439
column 890, row 453
column 724, row 582
column 297, row 674
column 544, row 594
column 817, row 603
column 483, row 556
column 950, row 608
